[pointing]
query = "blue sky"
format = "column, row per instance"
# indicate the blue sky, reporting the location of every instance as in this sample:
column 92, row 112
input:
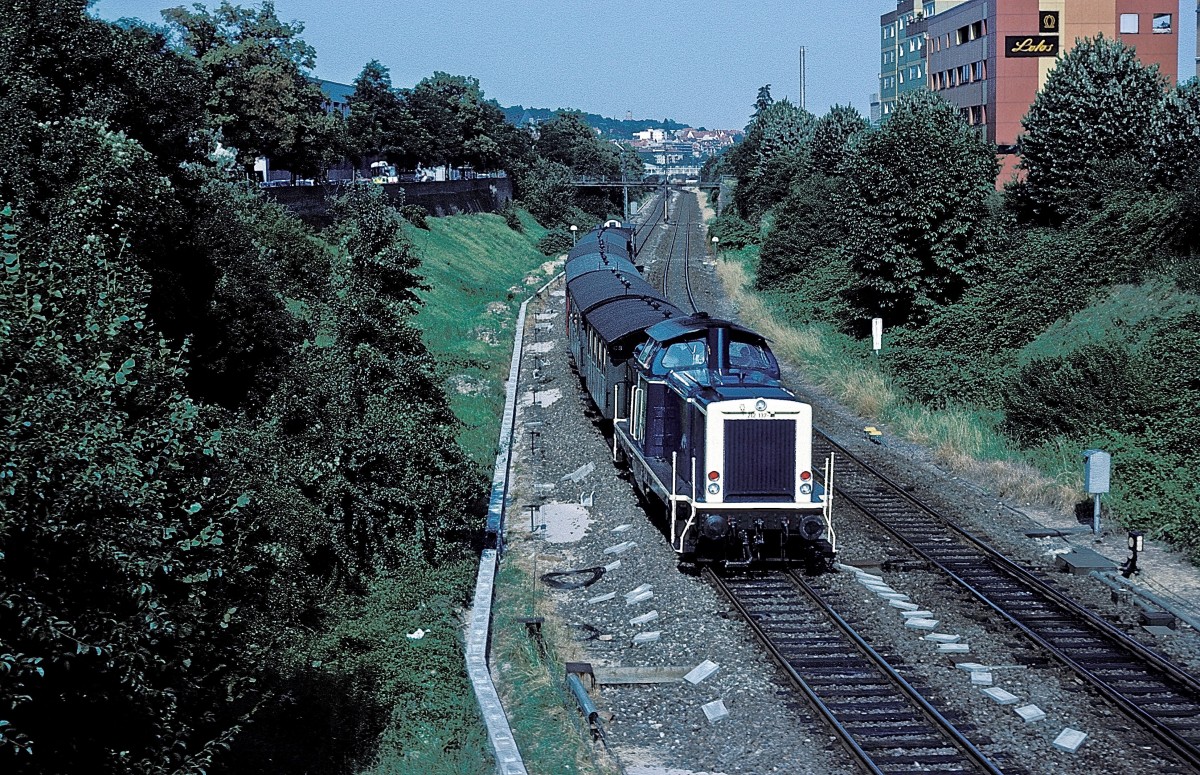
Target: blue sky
column 698, row 62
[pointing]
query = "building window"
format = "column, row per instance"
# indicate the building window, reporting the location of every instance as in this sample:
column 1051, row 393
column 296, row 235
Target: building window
column 1162, row 23
column 976, row 75
column 1129, row 24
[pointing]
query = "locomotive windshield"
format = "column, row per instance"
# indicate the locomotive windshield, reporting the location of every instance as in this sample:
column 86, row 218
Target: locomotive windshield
column 682, row 355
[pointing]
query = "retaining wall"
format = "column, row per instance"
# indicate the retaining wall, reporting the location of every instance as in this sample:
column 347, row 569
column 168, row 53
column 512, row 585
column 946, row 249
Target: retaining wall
column 445, row 197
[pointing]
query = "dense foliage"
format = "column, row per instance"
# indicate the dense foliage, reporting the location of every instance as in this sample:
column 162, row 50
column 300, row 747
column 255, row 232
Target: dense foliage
column 223, row 444
column 1065, row 306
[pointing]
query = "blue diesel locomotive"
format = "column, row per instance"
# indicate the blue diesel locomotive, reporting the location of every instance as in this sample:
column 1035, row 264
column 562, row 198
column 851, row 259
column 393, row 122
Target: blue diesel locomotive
column 699, row 415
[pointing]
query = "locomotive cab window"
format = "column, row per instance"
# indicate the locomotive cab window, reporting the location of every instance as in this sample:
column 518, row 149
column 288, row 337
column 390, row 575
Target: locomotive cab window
column 645, row 354
column 746, row 355
column 684, row 354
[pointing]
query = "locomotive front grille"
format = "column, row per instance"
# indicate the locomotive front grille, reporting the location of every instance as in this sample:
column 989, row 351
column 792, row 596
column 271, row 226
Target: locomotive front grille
column 760, row 459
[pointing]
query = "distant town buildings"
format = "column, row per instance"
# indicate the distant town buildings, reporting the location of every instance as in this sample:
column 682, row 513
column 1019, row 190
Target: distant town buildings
column 681, row 151
column 990, row 57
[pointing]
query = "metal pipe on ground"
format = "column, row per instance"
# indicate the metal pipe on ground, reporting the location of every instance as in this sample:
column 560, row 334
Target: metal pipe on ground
column 1189, row 619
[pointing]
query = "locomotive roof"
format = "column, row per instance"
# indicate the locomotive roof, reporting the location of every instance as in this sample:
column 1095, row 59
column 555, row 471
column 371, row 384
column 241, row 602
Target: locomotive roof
column 708, row 386
column 588, row 290
column 688, row 327
column 595, row 262
column 618, row 318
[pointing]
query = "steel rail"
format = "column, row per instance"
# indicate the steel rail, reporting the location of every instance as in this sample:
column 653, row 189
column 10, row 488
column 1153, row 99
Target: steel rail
column 940, row 724
column 1171, row 675
column 844, row 737
column 978, row 757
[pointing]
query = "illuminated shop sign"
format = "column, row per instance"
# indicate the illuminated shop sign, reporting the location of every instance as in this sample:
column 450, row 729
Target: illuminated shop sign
column 1031, row 45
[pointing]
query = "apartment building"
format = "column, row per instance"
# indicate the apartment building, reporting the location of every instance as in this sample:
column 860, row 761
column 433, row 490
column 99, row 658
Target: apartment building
column 990, row 57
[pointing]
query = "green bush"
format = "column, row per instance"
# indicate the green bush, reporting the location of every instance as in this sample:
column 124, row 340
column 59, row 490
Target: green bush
column 733, row 232
column 555, row 241
column 416, row 215
column 512, row 218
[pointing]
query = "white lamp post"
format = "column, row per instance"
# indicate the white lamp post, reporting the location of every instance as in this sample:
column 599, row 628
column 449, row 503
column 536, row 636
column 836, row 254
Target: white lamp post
column 574, row 229
column 716, row 241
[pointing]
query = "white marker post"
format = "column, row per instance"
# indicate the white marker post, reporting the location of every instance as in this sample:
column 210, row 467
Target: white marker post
column 1097, row 468
column 876, row 335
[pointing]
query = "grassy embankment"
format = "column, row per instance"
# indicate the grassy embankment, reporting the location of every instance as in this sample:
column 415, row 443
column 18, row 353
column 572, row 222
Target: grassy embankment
column 963, row 439
column 479, row 271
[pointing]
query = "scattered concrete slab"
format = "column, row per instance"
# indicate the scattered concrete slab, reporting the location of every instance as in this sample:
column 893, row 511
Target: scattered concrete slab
column 715, row 711
column 893, row 595
column 943, row 637
column 903, row 605
column 701, row 671
column 621, row 548
column 645, row 618
column 1031, row 713
column 579, row 474
column 970, row 667
column 1000, row 696
column 612, row 676
column 643, row 638
column 981, row 678
column 639, row 597
column 953, row 648
column 565, row 522
column 622, row 528
column 921, row 624
column 639, row 589
column 917, row 613
column 602, row 598
column 612, row 566
column 1069, row 740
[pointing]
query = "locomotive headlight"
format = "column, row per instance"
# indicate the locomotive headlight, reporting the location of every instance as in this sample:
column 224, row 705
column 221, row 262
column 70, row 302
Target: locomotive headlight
column 714, row 488
column 806, row 489
column 760, row 405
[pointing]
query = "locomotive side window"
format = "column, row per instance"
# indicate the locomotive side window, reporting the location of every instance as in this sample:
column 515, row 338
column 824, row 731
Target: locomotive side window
column 684, row 354
column 744, row 355
column 645, row 353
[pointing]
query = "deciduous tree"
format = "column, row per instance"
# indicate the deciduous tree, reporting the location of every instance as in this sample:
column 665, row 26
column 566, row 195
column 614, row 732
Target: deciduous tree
column 1096, row 105
column 914, row 196
column 261, row 94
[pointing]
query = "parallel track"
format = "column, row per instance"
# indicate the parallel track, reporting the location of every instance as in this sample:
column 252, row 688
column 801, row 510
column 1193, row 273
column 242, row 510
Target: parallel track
column 687, row 255
column 1153, row 691
column 881, row 719
column 646, row 227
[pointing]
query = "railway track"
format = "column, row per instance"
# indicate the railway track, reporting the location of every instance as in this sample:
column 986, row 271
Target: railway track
column 645, row 227
column 686, row 251
column 1150, row 689
column 884, row 722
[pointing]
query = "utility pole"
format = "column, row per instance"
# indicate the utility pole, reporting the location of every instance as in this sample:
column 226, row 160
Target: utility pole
column 804, row 73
